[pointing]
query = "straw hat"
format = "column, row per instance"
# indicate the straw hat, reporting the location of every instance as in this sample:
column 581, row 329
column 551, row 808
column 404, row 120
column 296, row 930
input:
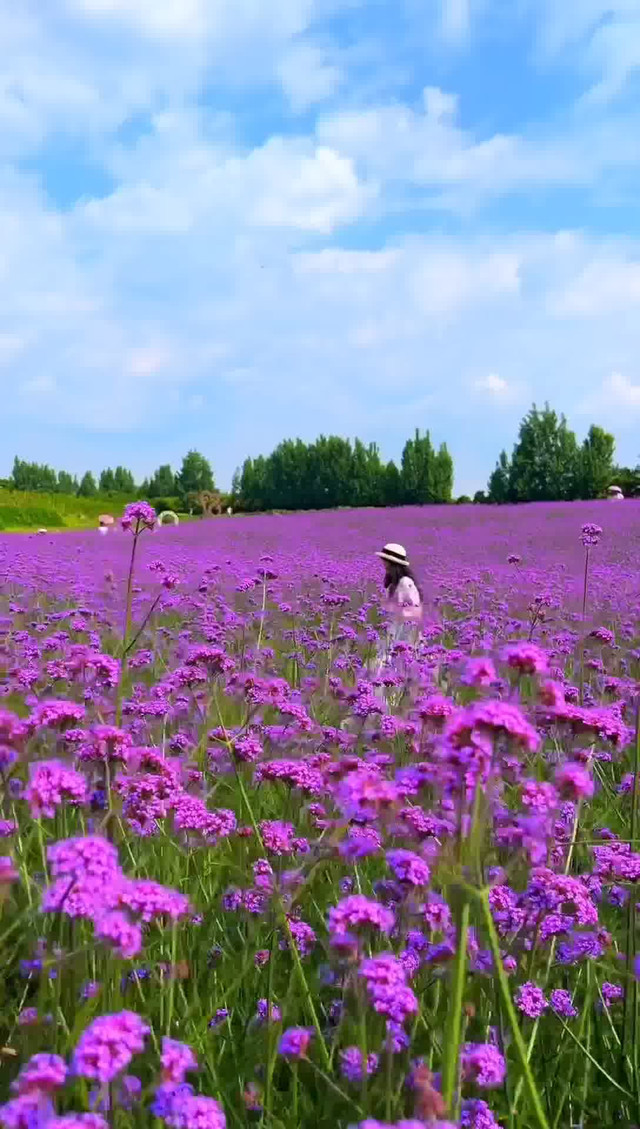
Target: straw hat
column 396, row 554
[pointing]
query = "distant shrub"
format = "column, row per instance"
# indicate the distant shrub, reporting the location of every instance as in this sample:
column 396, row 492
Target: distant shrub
column 162, row 504
column 29, row 516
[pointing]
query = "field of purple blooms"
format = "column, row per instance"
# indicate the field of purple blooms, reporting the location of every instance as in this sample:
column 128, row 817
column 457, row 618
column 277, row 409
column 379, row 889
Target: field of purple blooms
column 247, row 880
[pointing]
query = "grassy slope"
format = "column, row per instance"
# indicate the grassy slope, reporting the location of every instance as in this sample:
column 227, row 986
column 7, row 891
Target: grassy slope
column 23, row 511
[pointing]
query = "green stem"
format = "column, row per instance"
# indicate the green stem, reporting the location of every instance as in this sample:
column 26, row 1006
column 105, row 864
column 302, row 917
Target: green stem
column 450, row 1067
column 125, row 633
column 172, row 977
column 293, row 948
column 552, row 951
column 505, row 992
column 144, row 623
column 631, row 999
column 271, row 1042
column 295, row 1093
column 585, row 587
column 264, row 605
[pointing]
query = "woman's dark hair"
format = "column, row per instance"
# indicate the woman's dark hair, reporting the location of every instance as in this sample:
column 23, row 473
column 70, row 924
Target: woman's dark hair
column 394, row 572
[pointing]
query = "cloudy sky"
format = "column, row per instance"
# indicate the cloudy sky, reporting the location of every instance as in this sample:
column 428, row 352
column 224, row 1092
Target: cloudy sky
column 224, row 222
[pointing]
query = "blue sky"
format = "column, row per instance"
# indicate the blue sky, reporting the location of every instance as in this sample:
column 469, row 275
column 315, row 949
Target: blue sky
column 224, row 222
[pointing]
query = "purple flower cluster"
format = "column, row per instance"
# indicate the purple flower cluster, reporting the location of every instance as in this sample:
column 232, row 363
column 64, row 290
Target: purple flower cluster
column 265, row 808
column 107, row 1046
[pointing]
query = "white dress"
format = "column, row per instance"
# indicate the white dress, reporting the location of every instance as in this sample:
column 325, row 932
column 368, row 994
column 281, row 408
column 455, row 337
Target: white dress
column 404, row 607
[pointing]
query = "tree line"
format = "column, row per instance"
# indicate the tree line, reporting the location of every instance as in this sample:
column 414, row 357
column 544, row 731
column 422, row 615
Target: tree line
column 548, row 464
column 194, row 476
column 332, row 472
column 39, row 477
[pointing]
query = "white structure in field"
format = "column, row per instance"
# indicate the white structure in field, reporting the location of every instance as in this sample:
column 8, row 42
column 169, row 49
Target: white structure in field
column 168, row 517
column 614, row 494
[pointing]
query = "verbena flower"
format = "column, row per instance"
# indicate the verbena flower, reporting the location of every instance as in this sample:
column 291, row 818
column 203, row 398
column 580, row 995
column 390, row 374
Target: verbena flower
column 295, row 1042
column 590, row 534
column 561, row 1003
column 351, row 1064
column 531, row 1000
column 483, row 1064
column 138, row 516
column 108, row 1044
column 42, row 1074
column 52, row 783
column 358, row 912
column 177, row 1060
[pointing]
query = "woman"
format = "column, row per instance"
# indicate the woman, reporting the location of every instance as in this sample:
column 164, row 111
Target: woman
column 403, row 601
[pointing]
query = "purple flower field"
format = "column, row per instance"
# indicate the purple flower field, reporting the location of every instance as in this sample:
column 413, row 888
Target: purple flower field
column 252, row 877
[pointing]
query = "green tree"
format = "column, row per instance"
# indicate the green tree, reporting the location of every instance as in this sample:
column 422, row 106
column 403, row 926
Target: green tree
column 107, row 481
column 87, row 487
column 330, row 464
column 67, row 483
column 285, row 477
column 252, row 484
column 123, row 481
column 627, row 478
column 595, row 464
column 545, row 460
column 360, row 484
column 33, row 476
column 391, row 485
column 162, row 483
column 418, row 470
column 442, row 477
column 195, row 475
column 498, row 488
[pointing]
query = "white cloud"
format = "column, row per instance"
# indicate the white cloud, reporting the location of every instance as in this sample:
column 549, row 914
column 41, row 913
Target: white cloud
column 195, row 19
column 10, row 346
column 222, row 269
column 154, row 17
column 617, row 399
column 335, row 260
column 492, row 383
column 307, row 75
column 493, row 388
column 603, row 286
column 314, row 191
column 620, row 389
column 83, row 68
column 438, row 104
column 175, row 181
column 598, row 38
column 148, row 362
column 425, row 147
column 455, row 18
column 450, row 279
